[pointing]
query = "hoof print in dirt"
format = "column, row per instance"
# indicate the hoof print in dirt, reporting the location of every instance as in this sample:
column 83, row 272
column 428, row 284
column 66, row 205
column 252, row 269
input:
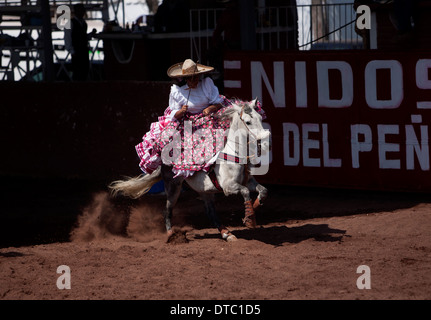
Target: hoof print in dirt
column 177, row 237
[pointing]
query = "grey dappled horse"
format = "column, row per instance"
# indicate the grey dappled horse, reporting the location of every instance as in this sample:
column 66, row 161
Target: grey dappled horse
column 232, row 174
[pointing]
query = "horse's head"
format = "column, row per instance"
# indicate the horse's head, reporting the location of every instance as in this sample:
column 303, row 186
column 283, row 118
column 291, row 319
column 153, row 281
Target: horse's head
column 252, row 121
column 244, row 116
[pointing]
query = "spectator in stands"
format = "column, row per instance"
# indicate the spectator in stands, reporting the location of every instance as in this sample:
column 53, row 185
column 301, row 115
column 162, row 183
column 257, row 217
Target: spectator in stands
column 172, row 16
column 76, row 41
column 226, row 36
column 404, row 15
column 229, row 25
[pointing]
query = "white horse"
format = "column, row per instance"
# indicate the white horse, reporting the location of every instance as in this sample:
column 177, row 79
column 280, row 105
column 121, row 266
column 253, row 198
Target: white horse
column 231, row 173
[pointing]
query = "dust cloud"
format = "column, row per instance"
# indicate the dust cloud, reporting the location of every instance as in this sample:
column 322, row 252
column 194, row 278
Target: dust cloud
column 105, row 217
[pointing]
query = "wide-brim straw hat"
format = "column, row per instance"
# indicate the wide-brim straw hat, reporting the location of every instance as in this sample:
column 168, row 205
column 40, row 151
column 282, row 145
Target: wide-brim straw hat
column 188, row 68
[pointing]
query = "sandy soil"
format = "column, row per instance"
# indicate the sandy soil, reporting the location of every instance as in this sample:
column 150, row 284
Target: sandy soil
column 308, row 245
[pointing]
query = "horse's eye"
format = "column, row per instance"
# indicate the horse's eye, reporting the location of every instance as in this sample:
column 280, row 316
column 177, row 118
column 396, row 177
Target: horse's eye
column 248, row 123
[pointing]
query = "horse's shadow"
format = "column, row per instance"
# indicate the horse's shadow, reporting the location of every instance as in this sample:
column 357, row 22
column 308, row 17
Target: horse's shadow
column 278, row 235
column 11, row 254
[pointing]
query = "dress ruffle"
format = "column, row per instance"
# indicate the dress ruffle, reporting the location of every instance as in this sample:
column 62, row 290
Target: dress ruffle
column 149, row 156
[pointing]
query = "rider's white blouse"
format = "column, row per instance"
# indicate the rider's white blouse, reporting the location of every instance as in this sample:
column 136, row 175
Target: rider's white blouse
column 205, row 94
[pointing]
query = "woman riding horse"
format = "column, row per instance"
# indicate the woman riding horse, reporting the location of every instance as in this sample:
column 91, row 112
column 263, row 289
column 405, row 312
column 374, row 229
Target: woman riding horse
column 192, row 103
column 175, row 150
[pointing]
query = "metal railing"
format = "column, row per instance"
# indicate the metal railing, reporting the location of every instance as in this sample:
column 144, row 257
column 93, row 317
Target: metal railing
column 21, row 52
column 277, row 28
column 300, row 27
column 328, row 26
column 202, row 25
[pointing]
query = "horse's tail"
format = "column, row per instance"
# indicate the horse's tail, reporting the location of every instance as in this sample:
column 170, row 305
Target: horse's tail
column 137, row 186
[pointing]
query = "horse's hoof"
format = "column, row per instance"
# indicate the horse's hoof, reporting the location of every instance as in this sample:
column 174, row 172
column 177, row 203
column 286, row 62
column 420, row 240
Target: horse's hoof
column 231, row 238
column 169, row 235
column 176, row 237
column 228, row 236
column 250, row 221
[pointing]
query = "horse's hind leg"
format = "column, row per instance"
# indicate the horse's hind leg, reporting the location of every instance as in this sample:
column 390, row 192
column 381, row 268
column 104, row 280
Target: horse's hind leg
column 173, row 190
column 172, row 198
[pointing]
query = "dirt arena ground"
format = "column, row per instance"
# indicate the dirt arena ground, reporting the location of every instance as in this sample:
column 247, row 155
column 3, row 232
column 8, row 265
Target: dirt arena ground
column 308, row 245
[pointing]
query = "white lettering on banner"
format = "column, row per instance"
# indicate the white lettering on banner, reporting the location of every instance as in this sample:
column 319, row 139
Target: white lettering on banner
column 422, row 68
column 232, row 83
column 385, row 147
column 397, row 90
column 308, row 144
column 277, row 90
column 232, row 64
column 298, row 141
column 267, row 126
column 384, row 144
column 327, row 161
column 360, row 146
column 258, row 74
column 288, row 129
column 345, row 69
column 422, row 81
column 301, row 84
column 414, row 147
column 292, row 133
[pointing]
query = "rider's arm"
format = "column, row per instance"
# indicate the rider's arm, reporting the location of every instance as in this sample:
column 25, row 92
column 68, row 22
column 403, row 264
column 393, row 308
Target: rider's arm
column 212, row 108
column 180, row 113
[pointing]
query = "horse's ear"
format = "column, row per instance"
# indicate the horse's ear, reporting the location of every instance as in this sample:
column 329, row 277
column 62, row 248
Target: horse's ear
column 253, row 103
column 248, row 107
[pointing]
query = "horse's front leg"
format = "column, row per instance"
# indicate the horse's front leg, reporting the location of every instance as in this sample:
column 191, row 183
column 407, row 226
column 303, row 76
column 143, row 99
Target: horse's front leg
column 253, row 185
column 210, row 210
column 249, row 219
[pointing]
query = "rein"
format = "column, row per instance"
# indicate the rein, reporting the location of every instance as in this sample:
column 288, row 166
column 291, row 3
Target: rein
column 245, row 124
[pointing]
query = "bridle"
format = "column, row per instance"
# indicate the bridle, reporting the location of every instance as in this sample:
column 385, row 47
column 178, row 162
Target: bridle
column 251, row 133
column 245, row 124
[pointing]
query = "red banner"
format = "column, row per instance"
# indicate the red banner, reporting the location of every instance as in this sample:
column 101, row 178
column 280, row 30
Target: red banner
column 356, row 119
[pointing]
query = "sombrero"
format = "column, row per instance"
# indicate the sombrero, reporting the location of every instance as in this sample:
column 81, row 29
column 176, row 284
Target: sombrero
column 187, row 68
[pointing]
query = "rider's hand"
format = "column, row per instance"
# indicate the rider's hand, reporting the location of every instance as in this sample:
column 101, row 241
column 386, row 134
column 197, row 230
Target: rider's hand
column 180, row 113
column 209, row 110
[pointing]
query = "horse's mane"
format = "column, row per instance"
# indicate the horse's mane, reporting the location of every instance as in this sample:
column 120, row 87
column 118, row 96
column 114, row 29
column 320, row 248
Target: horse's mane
column 234, row 108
